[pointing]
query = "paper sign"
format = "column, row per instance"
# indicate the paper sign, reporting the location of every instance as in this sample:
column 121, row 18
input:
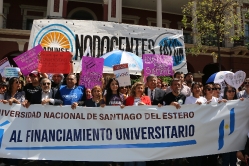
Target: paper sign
column 54, row 62
column 159, row 65
column 235, row 79
column 28, row 61
column 11, row 72
column 4, row 63
column 122, row 74
column 92, row 69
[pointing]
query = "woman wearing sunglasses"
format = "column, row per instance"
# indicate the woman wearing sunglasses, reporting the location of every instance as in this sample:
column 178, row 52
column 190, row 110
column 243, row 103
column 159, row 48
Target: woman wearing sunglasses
column 217, row 91
column 208, row 92
column 13, row 94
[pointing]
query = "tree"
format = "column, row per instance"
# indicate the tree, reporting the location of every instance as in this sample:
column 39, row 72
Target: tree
column 212, row 20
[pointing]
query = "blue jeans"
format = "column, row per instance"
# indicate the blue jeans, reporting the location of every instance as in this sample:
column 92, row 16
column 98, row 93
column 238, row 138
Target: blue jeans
column 229, row 159
column 142, row 163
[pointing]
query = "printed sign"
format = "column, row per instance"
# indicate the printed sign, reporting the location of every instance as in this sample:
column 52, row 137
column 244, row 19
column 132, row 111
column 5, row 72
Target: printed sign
column 11, row 72
column 54, row 62
column 159, row 65
column 103, row 37
column 28, row 61
column 122, row 74
column 134, row 133
column 4, row 63
column 92, row 69
column 235, row 79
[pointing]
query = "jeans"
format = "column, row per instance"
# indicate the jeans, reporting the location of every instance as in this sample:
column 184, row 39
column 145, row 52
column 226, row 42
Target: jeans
column 135, row 163
column 229, row 159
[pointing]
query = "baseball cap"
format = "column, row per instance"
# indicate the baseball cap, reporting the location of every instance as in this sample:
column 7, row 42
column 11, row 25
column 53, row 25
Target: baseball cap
column 35, row 73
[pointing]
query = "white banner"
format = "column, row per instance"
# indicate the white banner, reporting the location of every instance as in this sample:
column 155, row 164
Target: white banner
column 102, row 37
column 137, row 133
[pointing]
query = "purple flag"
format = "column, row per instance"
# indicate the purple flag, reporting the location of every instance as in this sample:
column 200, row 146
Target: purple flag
column 92, row 69
column 160, row 65
column 28, row 61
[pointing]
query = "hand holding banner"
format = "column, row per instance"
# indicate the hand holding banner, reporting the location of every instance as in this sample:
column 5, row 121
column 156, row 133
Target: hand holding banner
column 122, row 74
column 160, row 65
column 92, row 69
column 28, row 61
column 54, row 62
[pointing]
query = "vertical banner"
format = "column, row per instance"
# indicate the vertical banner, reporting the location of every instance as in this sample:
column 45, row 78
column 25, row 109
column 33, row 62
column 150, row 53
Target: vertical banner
column 160, row 65
column 122, row 74
column 4, row 63
column 54, row 62
column 92, row 69
column 28, row 61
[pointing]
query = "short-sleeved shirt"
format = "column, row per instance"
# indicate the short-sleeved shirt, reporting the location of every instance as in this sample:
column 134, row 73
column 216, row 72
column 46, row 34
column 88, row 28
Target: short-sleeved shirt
column 193, row 100
column 170, row 97
column 29, row 90
column 116, row 100
column 71, row 95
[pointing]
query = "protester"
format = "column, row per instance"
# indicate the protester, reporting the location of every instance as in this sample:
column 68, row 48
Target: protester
column 217, row 91
column 71, row 94
column 189, row 79
column 159, row 83
column 33, row 87
column 13, row 95
column 137, row 96
column 196, row 98
column 96, row 97
column 244, row 93
column 46, row 95
column 124, row 91
column 156, row 94
column 28, row 80
column 164, row 86
column 113, row 96
column 3, row 89
column 185, row 90
column 88, row 93
column 57, row 80
column 208, row 93
column 175, row 98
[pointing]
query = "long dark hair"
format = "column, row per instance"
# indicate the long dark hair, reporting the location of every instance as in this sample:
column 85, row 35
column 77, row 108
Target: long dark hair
column 225, row 93
column 11, row 82
column 109, row 91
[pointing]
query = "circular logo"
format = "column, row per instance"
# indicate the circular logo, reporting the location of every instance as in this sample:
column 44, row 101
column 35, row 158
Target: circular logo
column 180, row 101
column 172, row 44
column 55, row 37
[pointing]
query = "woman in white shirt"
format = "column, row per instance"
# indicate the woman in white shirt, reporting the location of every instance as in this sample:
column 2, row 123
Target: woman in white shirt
column 208, row 92
column 196, row 98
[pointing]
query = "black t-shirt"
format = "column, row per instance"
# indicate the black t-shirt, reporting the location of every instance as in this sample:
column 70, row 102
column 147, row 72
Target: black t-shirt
column 169, row 98
column 29, row 90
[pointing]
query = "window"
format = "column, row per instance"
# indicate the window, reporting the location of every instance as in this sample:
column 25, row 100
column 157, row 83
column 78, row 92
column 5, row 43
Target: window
column 247, row 32
column 29, row 24
column 187, row 38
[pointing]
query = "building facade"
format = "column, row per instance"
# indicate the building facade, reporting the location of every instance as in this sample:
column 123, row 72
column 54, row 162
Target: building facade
column 16, row 18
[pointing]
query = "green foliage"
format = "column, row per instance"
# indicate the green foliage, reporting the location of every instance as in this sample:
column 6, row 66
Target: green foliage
column 165, row 79
column 212, row 21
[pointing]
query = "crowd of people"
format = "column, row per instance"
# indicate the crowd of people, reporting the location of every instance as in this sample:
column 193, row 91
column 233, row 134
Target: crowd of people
column 37, row 88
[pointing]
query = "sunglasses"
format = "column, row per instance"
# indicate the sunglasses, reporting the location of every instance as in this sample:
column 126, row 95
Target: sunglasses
column 230, row 91
column 246, row 83
column 216, row 88
column 46, row 83
column 164, row 85
column 123, row 87
column 210, row 89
